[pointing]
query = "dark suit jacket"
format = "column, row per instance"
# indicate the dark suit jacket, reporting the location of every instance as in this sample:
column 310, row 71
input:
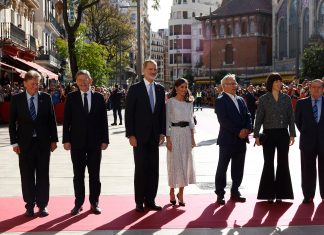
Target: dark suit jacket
column 139, row 119
column 250, row 102
column 231, row 120
column 311, row 132
column 116, row 98
column 22, row 126
column 85, row 130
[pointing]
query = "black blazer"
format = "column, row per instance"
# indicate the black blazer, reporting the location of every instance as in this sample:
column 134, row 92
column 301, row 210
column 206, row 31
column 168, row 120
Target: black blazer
column 231, row 120
column 22, row 126
column 311, row 132
column 139, row 119
column 85, row 130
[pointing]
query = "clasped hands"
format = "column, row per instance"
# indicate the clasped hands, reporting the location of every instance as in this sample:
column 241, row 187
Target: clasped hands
column 244, row 133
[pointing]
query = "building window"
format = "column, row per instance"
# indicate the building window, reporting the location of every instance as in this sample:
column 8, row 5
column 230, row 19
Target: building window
column 306, row 28
column 171, row 44
column 282, row 38
column 185, row 15
column 171, row 30
column 229, row 31
column 193, row 14
column 178, row 29
column 171, row 58
column 222, row 31
column 252, row 27
column 186, row 43
column 244, row 28
column 321, row 20
column 293, row 27
column 229, row 57
column 187, row 58
column 263, row 53
column 186, row 29
column 179, row 1
column 237, row 29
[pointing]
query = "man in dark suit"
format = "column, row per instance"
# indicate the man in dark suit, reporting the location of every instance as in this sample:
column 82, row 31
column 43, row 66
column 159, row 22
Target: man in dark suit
column 115, row 99
column 33, row 135
column 145, row 128
column 251, row 103
column 235, row 125
column 85, row 134
column 309, row 118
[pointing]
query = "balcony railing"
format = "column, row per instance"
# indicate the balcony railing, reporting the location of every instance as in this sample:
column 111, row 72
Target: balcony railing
column 56, row 25
column 31, row 42
column 10, row 32
column 51, row 57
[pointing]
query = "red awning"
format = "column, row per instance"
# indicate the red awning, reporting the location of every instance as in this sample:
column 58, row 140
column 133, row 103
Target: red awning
column 20, row 71
column 42, row 70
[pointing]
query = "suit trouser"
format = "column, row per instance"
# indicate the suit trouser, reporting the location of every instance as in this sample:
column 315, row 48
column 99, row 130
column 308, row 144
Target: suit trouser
column 308, row 172
column 82, row 158
column 146, row 180
column 115, row 111
column 34, row 172
column 235, row 154
column 276, row 185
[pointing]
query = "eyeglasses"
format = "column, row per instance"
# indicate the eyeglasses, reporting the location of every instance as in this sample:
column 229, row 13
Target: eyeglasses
column 231, row 84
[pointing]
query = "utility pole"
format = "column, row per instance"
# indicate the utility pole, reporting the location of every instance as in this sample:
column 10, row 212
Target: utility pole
column 139, row 49
column 210, row 43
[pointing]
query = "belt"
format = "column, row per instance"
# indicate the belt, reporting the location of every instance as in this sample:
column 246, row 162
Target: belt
column 180, row 124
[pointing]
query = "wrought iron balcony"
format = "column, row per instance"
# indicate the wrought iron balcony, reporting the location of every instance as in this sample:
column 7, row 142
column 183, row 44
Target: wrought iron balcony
column 56, row 25
column 31, row 42
column 12, row 34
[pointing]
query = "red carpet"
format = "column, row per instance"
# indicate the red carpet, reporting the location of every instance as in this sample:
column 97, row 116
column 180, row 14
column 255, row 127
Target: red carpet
column 118, row 213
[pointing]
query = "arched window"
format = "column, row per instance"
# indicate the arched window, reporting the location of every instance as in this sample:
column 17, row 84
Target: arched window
column 244, row 28
column 237, row 29
column 305, row 28
column 229, row 57
column 252, row 27
column 321, row 20
column 222, row 30
column 282, row 37
column 293, row 29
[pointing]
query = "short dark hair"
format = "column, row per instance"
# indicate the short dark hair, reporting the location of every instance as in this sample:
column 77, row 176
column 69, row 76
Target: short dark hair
column 31, row 74
column 271, row 79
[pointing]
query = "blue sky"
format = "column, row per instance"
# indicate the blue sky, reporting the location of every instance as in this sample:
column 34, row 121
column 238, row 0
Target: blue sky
column 159, row 19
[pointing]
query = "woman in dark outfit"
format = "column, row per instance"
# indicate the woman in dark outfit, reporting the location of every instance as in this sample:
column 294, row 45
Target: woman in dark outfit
column 275, row 113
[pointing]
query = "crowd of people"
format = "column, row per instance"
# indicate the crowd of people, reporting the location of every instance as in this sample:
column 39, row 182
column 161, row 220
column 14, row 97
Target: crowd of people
column 151, row 118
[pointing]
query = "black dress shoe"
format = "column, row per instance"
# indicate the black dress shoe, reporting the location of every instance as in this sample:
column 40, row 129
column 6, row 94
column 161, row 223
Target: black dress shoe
column 95, row 210
column 237, row 198
column 29, row 212
column 76, row 210
column 43, row 212
column 153, row 206
column 307, row 200
column 113, row 124
column 220, row 200
column 120, row 123
column 139, row 208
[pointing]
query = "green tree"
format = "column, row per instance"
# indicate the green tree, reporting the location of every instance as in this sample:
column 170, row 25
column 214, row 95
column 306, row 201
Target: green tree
column 91, row 56
column 313, row 62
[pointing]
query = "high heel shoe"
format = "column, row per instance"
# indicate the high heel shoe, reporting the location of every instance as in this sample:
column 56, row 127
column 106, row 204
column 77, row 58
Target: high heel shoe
column 172, row 199
column 181, row 203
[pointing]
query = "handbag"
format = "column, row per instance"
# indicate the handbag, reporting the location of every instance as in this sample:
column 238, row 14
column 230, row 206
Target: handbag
column 195, row 120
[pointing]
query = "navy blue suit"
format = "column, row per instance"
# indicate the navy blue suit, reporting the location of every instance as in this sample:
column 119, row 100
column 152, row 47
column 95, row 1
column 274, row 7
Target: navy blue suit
column 311, row 146
column 231, row 147
column 146, row 126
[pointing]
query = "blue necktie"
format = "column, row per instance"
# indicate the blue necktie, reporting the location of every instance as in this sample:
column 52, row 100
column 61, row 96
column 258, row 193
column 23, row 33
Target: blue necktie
column 32, row 109
column 315, row 110
column 151, row 96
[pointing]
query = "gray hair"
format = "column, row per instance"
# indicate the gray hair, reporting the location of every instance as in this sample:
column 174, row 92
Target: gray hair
column 83, row 72
column 318, row 81
column 228, row 76
column 31, row 74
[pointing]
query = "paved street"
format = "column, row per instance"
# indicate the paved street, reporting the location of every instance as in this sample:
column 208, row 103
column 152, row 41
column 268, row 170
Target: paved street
column 117, row 173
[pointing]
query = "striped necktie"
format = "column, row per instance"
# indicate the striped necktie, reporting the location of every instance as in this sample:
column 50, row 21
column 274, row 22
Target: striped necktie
column 32, row 109
column 315, row 110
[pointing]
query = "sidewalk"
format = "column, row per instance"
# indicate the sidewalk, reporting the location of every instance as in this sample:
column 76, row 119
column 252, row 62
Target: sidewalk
column 117, row 172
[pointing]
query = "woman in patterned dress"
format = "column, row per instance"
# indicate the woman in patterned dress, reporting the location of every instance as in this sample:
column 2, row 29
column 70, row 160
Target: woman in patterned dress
column 180, row 139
